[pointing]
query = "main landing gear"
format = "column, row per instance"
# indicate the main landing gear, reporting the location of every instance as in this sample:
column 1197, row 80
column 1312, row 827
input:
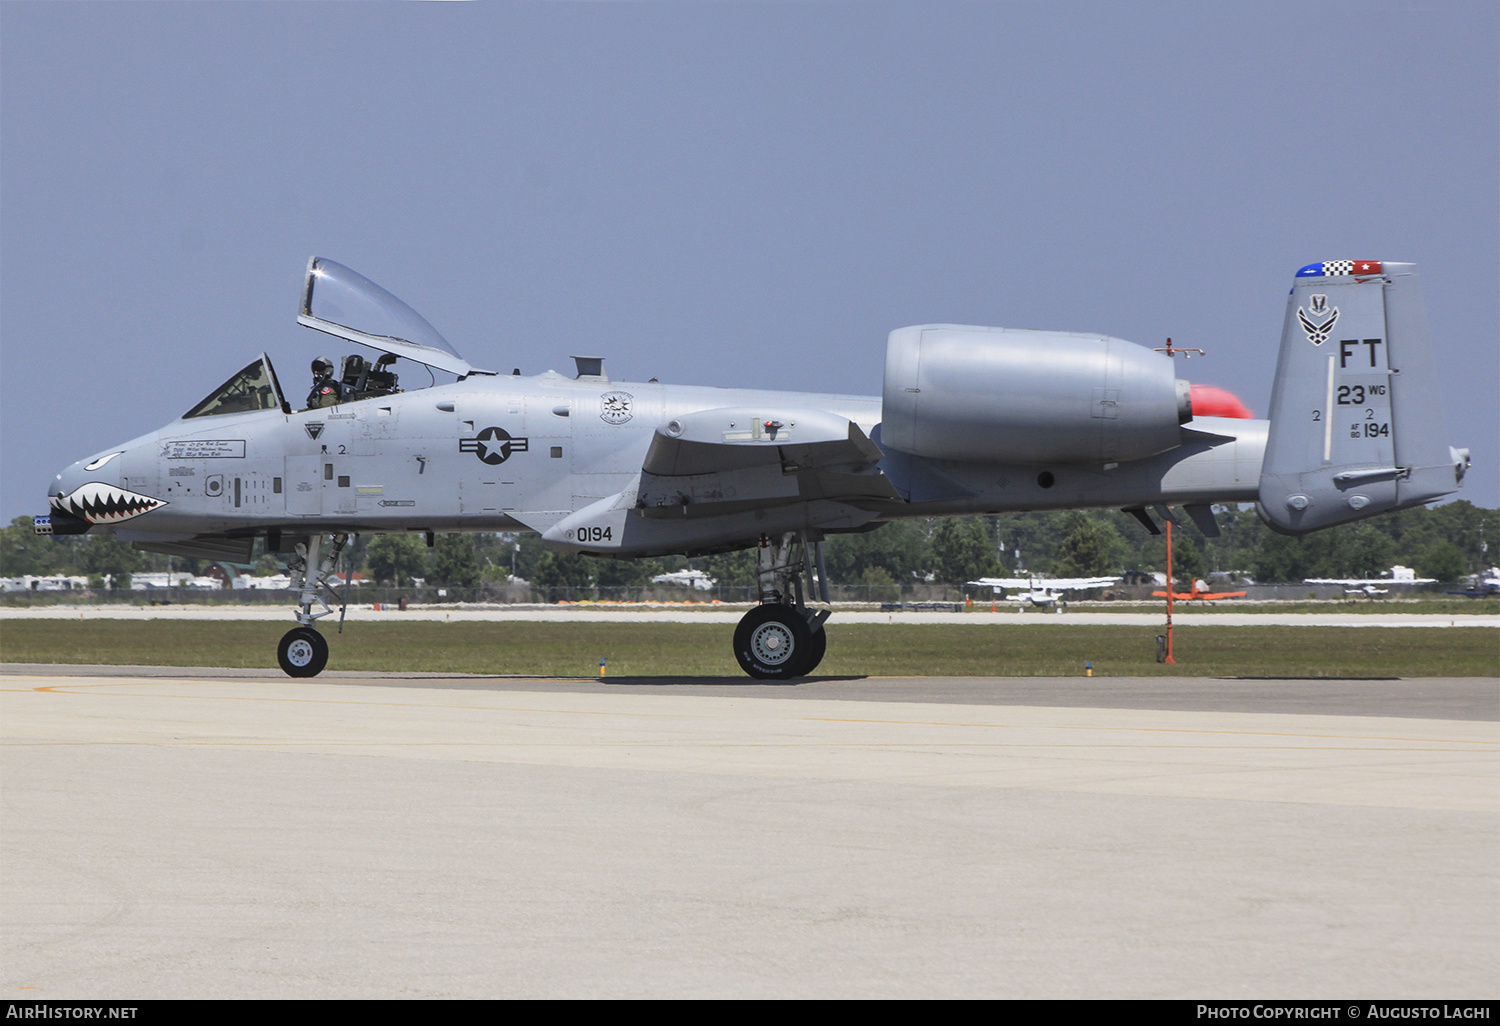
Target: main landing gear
column 303, row 652
column 781, row 638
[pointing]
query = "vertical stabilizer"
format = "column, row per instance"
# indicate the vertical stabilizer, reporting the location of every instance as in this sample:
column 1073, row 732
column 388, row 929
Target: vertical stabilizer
column 1356, row 415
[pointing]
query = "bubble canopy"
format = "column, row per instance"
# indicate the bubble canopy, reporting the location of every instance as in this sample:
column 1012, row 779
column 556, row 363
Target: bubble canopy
column 342, row 302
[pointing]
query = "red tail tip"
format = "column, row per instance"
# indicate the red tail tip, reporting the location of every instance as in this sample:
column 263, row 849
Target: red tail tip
column 1209, row 401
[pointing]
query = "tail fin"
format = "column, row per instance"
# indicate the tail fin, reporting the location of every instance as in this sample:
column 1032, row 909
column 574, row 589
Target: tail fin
column 1356, row 414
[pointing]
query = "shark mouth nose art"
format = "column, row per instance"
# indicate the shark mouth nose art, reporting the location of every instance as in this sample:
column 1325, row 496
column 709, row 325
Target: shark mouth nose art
column 105, row 504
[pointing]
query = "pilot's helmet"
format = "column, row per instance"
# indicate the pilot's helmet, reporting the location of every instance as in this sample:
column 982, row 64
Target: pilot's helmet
column 321, row 366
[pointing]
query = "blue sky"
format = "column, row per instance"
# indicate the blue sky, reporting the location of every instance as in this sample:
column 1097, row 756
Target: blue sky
column 729, row 194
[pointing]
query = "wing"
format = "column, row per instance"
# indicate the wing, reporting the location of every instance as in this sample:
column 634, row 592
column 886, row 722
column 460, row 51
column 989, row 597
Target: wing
column 1078, row 583
column 718, row 479
column 726, row 460
column 1043, row 583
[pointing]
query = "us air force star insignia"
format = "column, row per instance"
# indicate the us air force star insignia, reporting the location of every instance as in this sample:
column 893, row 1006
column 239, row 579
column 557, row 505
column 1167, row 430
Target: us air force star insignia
column 1317, row 333
column 615, row 407
column 493, row 445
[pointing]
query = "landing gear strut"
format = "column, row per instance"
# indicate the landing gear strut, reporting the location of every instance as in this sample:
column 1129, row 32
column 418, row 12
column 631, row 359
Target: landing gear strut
column 303, row 652
column 781, row 638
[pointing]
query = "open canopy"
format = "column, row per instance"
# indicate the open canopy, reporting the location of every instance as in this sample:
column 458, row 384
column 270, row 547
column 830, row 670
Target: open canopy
column 345, row 303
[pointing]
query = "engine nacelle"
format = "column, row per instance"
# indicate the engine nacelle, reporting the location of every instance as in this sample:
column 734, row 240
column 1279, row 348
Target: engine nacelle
column 999, row 395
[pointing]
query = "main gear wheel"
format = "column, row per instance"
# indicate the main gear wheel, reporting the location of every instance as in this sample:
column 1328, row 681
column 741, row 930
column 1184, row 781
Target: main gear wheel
column 773, row 642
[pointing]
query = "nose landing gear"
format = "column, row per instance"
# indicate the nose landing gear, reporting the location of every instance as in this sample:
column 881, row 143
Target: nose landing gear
column 302, row 651
column 781, row 638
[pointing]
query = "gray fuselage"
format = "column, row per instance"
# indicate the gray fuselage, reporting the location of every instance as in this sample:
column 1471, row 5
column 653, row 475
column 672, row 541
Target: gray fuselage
column 496, row 453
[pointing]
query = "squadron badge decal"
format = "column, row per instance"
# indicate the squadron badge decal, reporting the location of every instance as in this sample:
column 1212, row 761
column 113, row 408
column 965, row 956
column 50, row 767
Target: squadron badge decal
column 493, row 445
column 616, row 407
column 1318, row 330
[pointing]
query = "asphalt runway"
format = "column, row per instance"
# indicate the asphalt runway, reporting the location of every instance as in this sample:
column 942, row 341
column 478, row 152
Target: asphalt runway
column 184, row 833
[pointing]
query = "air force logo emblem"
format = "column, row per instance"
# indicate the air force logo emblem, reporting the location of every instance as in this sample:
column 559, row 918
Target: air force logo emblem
column 1319, row 321
column 493, row 445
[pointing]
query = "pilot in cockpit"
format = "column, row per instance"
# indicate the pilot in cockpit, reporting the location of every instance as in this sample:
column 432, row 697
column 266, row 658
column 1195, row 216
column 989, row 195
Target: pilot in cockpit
column 357, row 381
column 327, row 390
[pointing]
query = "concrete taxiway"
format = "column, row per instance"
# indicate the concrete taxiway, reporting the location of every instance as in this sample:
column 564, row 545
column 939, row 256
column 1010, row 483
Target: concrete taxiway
column 176, row 833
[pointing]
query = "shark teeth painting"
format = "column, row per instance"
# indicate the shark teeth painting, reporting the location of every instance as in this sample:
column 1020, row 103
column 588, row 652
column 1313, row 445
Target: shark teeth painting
column 105, row 504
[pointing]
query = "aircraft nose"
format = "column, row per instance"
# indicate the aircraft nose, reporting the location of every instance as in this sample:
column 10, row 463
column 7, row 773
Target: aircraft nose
column 68, row 481
column 61, row 518
column 103, row 468
column 91, row 492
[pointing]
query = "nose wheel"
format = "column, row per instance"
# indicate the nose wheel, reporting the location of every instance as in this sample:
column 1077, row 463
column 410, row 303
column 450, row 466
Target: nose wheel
column 302, row 652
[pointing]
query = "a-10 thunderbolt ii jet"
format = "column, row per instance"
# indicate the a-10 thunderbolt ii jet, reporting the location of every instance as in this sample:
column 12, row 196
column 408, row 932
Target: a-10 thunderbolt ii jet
column 971, row 420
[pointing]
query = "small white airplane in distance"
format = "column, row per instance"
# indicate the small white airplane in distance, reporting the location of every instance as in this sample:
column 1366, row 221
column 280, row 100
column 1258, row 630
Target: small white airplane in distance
column 1403, row 575
column 1043, row 593
column 695, row 579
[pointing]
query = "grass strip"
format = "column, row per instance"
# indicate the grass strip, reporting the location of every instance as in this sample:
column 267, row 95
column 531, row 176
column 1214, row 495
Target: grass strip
column 678, row 649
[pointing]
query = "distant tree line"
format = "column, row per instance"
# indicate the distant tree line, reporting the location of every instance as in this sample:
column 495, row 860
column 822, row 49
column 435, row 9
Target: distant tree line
column 1447, row 542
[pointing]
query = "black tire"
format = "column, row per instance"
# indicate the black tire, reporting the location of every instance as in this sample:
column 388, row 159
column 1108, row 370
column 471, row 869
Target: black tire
column 817, row 645
column 772, row 642
column 302, row 652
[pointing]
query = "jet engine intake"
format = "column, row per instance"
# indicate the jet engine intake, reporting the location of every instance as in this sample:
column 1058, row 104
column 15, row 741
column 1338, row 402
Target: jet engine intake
column 1001, row 395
